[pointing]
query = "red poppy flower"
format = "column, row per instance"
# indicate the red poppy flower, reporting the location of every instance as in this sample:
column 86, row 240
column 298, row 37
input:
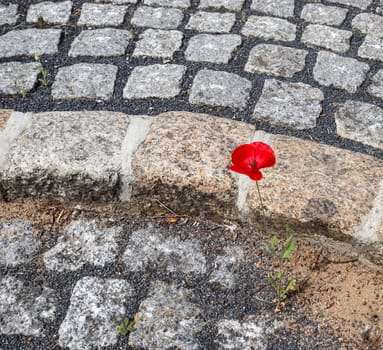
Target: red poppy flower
column 249, row 158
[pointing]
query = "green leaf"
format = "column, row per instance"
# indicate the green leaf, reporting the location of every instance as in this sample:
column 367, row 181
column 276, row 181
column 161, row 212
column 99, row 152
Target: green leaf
column 291, row 286
column 288, row 248
column 274, row 283
column 274, row 241
column 125, row 327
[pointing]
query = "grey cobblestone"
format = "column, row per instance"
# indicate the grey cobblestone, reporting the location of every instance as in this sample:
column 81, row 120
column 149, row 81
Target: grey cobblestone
column 322, row 14
column 361, row 122
column 231, row 5
column 168, row 3
column 317, row 35
column 83, row 242
column 376, row 86
column 158, row 18
column 213, row 48
column 247, row 334
column 17, row 243
column 107, row 42
column 368, row 23
column 276, row 60
column 223, row 267
column 372, row 48
column 281, row 8
column 147, row 247
column 294, row 105
column 269, row 28
column 85, row 80
column 154, row 81
column 217, row 88
column 96, row 309
column 158, row 43
column 51, row 12
column 362, row 4
column 117, row 2
column 167, row 319
column 24, row 309
column 102, row 14
column 8, row 14
column 339, row 72
column 29, row 42
column 211, row 22
column 16, row 77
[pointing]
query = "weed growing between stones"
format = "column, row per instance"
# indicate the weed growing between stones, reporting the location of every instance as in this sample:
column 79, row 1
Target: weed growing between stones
column 126, row 326
column 43, row 80
column 248, row 159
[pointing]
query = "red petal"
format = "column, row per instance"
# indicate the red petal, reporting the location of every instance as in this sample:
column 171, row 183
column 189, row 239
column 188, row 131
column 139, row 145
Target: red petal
column 264, row 155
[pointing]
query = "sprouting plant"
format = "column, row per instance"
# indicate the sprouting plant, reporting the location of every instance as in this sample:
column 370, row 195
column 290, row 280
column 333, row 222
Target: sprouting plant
column 243, row 16
column 283, row 250
column 41, row 21
column 133, row 32
column 43, row 80
column 126, row 326
column 23, row 93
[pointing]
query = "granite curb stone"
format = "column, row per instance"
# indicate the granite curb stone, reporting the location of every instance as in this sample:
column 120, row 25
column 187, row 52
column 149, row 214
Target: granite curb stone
column 337, row 189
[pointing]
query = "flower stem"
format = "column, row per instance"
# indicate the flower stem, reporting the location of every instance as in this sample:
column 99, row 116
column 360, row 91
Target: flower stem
column 260, row 199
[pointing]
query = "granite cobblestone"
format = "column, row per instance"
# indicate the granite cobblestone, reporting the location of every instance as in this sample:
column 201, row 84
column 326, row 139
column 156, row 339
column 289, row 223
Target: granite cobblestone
column 50, row 12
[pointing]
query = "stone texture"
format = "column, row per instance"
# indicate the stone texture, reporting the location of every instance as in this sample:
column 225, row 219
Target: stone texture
column 161, row 81
column 362, row 4
column 149, row 247
column 102, row 14
column 159, row 17
column 181, row 178
column 17, row 243
column 218, row 88
column 322, row 14
column 158, row 43
column 376, row 86
column 231, row 5
column 218, row 48
column 85, row 80
column 8, row 14
column 372, row 48
column 83, row 242
column 25, row 309
column 168, row 3
column 361, row 122
column 211, row 22
column 96, row 309
column 16, row 77
column 248, row 334
column 29, row 42
column 269, row 28
column 339, row 72
column 317, row 35
column 316, row 176
column 107, row 42
column 223, row 266
column 279, row 8
column 66, row 155
column 368, row 23
column 295, row 105
column 117, row 2
column 276, row 60
column 167, row 319
column 51, row 12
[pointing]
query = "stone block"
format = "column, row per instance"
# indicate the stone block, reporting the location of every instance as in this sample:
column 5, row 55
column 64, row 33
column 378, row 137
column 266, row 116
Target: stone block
column 65, row 155
column 186, row 162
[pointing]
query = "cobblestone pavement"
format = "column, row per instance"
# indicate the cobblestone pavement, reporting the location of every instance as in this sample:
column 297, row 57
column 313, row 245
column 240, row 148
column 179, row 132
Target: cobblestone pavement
column 298, row 70
column 187, row 285
column 308, row 69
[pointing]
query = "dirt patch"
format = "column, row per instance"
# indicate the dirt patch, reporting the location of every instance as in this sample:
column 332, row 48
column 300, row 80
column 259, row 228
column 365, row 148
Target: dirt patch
column 339, row 293
column 4, row 115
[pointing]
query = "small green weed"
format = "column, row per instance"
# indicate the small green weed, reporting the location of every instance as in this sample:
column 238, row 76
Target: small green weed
column 41, row 22
column 243, row 16
column 23, row 93
column 43, row 80
column 126, row 326
column 283, row 250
